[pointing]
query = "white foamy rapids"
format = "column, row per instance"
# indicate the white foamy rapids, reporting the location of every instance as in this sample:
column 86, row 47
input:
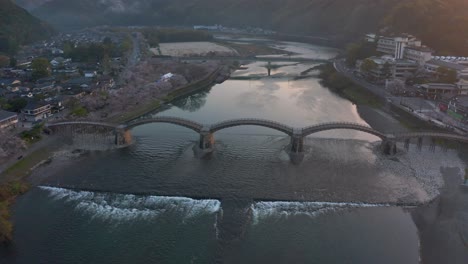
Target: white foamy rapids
column 262, row 210
column 124, row 207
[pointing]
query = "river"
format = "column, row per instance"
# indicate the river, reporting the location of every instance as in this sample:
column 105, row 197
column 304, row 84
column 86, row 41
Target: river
column 154, row 202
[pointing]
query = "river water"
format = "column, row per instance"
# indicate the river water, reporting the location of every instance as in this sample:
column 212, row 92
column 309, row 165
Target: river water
column 154, row 202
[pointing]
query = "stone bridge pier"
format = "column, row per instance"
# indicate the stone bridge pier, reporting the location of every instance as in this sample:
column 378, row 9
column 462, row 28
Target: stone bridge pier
column 296, row 152
column 205, row 144
column 389, row 147
column 123, row 136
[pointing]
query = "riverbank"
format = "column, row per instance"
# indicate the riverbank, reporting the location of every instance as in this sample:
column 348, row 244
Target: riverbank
column 441, row 222
column 49, row 156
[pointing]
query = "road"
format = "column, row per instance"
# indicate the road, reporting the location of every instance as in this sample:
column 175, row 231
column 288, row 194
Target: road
column 134, row 58
column 420, row 108
column 378, row 90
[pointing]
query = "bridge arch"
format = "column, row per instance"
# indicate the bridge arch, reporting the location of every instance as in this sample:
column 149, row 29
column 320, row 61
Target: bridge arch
column 342, row 125
column 197, row 127
column 252, row 122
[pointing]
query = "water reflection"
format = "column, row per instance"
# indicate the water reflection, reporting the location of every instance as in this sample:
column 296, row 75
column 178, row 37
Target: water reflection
column 194, row 102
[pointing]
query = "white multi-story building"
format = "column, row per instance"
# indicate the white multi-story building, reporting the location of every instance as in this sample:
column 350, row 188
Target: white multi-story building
column 35, row 111
column 420, row 54
column 395, row 46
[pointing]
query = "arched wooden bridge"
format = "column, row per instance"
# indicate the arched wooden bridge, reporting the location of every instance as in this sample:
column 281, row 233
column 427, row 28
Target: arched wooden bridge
column 297, row 134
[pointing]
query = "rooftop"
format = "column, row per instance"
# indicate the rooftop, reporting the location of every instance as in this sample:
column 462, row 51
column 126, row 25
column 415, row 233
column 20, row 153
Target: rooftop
column 6, row 115
column 446, row 64
column 34, row 105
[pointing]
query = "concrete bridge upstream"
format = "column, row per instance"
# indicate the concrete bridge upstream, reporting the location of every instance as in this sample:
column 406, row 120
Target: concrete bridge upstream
column 122, row 134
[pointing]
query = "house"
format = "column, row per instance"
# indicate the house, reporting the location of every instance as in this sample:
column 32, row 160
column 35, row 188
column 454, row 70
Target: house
column 56, row 51
column 438, row 90
column 9, row 83
column 59, row 61
column 90, row 74
column 81, row 82
column 8, row 119
column 44, row 86
column 35, row 111
column 166, row 77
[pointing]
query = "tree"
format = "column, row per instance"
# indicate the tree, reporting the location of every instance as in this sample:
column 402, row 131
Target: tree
column 15, row 105
column 41, row 68
column 368, row 65
column 4, row 61
column 387, row 70
column 13, row 62
column 446, row 75
column 359, row 51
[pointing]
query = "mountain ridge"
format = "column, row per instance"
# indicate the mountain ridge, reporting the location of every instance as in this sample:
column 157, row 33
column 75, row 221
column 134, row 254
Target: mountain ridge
column 440, row 23
column 18, row 27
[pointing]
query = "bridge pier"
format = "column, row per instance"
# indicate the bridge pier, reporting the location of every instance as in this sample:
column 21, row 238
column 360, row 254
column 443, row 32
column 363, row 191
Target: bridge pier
column 389, row 147
column 123, row 137
column 296, row 153
column 205, row 144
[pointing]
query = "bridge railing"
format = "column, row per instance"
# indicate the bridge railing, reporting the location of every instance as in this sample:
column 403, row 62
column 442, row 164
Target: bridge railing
column 81, row 123
column 272, row 124
column 253, row 121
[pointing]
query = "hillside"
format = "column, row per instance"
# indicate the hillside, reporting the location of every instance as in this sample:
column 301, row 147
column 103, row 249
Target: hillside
column 18, row 27
column 440, row 23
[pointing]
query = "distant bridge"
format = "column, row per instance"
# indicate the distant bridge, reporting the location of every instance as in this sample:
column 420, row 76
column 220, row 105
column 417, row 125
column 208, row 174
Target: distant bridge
column 206, row 142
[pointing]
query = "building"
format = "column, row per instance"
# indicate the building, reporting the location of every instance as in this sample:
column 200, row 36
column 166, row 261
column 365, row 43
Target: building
column 371, row 38
column 388, row 67
column 8, row 119
column 90, row 74
column 43, row 87
column 35, row 111
column 395, row 46
column 78, row 83
column 438, row 90
column 9, row 83
column 462, row 87
column 403, row 69
column 420, row 54
column 433, row 65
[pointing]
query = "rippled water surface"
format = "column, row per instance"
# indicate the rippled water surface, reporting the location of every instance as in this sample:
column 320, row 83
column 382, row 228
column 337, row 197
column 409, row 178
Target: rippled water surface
column 132, row 206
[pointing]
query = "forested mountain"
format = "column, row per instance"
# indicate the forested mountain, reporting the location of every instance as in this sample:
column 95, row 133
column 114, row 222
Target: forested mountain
column 18, row 27
column 441, row 24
